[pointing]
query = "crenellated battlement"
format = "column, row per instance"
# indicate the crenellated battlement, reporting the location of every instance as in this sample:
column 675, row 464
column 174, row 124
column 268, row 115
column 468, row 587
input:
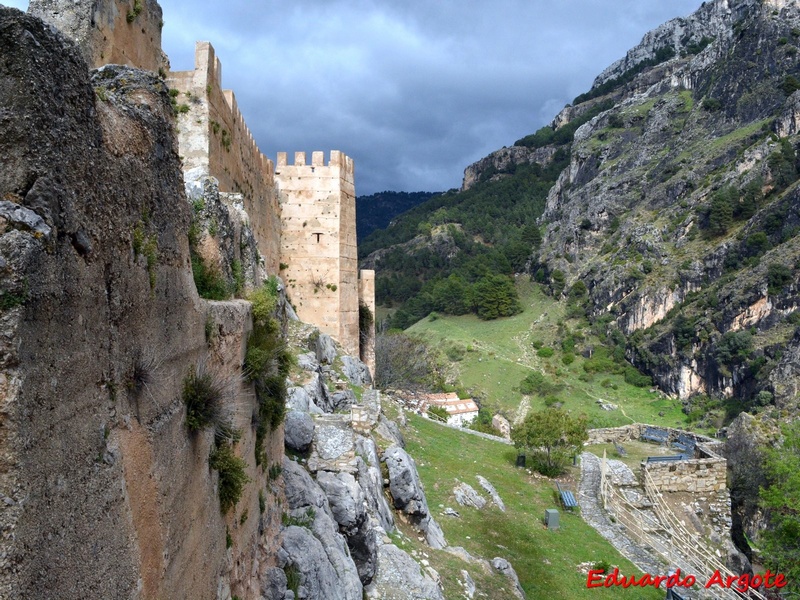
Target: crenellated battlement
column 215, row 141
column 337, row 160
column 302, row 213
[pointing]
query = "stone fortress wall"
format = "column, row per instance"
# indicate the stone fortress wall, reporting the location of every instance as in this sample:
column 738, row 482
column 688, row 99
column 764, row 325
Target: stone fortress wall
column 318, row 242
column 705, row 472
column 303, row 215
column 215, row 141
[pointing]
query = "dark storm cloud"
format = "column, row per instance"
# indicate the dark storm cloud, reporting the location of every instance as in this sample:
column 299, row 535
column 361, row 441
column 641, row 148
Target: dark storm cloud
column 413, row 91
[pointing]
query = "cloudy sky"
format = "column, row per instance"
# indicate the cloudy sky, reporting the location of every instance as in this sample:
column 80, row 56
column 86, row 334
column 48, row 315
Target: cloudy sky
column 413, row 90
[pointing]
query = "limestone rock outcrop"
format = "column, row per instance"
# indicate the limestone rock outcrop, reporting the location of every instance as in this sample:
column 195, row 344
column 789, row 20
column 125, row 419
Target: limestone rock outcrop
column 408, row 495
column 298, row 430
column 399, row 577
column 103, row 482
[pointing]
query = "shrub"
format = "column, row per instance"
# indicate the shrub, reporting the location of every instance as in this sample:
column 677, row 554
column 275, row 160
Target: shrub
column 438, row 413
column 209, row 281
column 232, row 475
column 264, row 300
column 366, row 322
column 603, row 566
column 734, row 347
column 778, row 276
column 711, row 104
column 545, row 352
column 551, row 401
column 203, row 393
column 568, row 358
column 536, row 384
column 238, row 277
column 634, row 377
column 790, row 85
column 292, row 578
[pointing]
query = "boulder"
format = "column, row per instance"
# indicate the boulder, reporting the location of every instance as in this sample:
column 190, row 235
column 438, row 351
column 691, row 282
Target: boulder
column 308, row 362
column 389, row 431
column 273, row 584
column 490, row 489
column 371, row 481
column 342, row 400
column 325, row 349
column 346, row 499
column 469, row 585
column 318, row 393
column 504, row 567
column 399, row 577
column 298, row 430
column 297, row 398
column 404, row 483
column 467, row 496
column 356, row 371
column 301, row 490
column 322, row 569
column 408, row 496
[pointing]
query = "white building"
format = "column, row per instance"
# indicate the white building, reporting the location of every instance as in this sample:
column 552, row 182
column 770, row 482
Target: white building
column 459, row 412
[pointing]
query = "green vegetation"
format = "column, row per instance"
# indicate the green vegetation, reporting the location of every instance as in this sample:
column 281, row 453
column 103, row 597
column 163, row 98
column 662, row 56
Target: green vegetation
column 662, row 54
column 482, row 237
column 209, row 280
column 9, row 300
column 238, row 277
column 781, row 500
column 500, row 363
column 135, row 11
column 146, row 246
column 232, row 475
column 204, row 396
column 550, row 437
column 226, row 140
column 563, row 135
column 438, row 412
column 545, row 561
column 267, row 362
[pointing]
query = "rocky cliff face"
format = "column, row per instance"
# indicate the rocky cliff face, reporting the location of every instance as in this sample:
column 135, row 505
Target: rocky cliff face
column 678, row 209
column 106, row 493
column 503, row 163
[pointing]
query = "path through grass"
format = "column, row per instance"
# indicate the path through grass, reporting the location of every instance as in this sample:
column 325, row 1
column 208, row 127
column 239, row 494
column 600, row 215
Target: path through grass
column 492, row 357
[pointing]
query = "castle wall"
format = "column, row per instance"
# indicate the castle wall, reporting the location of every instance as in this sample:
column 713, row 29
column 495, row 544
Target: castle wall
column 215, row 140
column 703, row 475
column 318, row 242
column 120, row 32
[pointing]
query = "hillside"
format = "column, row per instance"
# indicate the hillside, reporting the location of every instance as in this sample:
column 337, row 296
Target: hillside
column 666, row 193
column 376, row 211
column 669, row 221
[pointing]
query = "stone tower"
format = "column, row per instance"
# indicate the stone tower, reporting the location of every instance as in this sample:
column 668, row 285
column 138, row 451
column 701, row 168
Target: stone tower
column 318, row 242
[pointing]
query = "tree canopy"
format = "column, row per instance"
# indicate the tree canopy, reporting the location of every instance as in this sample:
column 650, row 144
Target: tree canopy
column 550, row 437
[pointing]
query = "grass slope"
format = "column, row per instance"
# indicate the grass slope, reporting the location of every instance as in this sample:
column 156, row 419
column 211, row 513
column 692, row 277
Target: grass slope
column 545, row 561
column 492, row 357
